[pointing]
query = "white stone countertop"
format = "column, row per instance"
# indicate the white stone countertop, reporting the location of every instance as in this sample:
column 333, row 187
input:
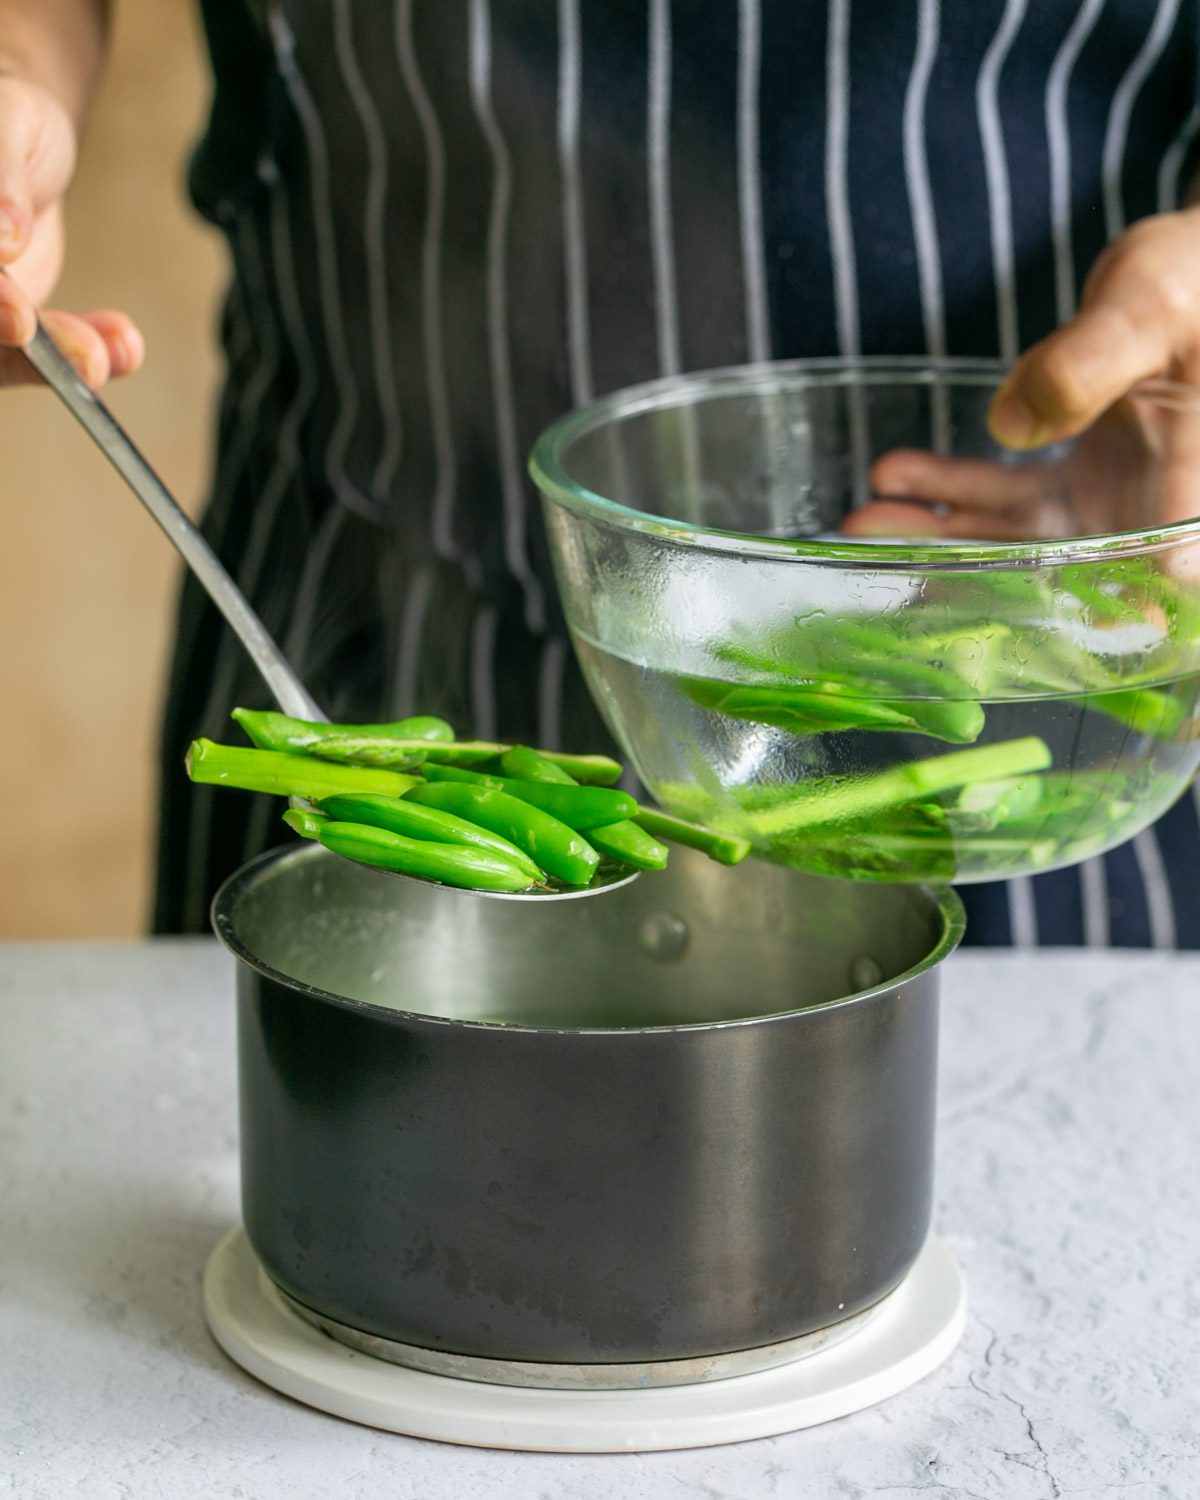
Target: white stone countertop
column 1068, row 1188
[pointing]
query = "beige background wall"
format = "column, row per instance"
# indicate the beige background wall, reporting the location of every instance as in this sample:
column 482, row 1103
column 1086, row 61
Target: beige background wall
column 86, row 580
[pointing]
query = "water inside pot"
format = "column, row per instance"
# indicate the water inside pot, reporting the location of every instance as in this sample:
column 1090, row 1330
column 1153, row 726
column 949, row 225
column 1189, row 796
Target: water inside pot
column 697, row 943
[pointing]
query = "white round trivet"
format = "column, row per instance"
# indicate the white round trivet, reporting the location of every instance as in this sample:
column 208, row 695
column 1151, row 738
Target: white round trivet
column 913, row 1331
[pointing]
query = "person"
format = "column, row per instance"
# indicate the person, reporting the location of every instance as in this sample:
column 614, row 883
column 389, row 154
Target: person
column 450, row 220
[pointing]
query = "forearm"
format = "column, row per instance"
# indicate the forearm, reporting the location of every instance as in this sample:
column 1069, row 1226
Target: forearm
column 58, row 44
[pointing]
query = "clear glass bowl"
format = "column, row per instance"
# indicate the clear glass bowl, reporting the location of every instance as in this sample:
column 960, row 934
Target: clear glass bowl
column 1016, row 700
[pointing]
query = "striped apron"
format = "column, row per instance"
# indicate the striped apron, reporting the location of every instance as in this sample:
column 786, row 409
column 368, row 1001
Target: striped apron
column 451, row 220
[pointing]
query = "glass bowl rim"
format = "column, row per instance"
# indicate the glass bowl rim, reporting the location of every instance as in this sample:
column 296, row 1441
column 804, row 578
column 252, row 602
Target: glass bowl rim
column 547, row 468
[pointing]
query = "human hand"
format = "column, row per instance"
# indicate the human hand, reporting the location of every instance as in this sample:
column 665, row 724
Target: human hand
column 37, row 158
column 1137, row 462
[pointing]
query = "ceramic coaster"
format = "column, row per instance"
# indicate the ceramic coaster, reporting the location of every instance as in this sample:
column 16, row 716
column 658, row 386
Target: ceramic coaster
column 912, row 1332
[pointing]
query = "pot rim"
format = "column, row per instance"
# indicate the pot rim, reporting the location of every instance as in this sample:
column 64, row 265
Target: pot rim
column 944, row 897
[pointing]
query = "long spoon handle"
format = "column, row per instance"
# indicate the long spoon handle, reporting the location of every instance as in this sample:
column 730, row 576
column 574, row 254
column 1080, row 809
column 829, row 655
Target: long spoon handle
column 110, row 437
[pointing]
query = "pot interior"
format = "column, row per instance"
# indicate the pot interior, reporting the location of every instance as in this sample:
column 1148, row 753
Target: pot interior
column 697, row 943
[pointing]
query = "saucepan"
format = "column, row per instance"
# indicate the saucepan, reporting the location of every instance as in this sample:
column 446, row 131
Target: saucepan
column 561, row 1145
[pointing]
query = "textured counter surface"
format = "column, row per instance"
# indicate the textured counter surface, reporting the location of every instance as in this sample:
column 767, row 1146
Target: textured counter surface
column 1068, row 1188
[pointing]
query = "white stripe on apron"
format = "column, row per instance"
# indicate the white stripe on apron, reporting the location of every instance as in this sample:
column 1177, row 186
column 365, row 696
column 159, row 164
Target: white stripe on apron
column 327, row 273
column 841, row 228
column 446, row 471
column 1059, row 141
column 1159, row 907
column 995, row 166
column 916, row 175
column 754, row 275
column 1122, row 107
column 1170, row 192
column 1093, row 887
column 837, row 198
column 511, row 472
column 374, row 254
column 579, row 343
column 658, row 163
column 1022, row 913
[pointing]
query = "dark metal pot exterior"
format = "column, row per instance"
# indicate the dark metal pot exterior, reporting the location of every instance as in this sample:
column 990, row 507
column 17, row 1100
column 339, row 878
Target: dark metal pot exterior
column 575, row 1196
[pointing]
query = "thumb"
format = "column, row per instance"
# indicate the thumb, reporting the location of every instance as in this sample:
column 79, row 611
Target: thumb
column 37, row 156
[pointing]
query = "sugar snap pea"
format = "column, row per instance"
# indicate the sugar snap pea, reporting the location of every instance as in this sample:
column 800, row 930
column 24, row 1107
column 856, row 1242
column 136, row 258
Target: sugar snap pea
column 285, row 774
column 399, row 815
column 305, row 822
column 624, row 840
column 530, row 765
column 725, row 848
column 557, row 849
column 449, row 864
column 630, row 844
column 580, row 807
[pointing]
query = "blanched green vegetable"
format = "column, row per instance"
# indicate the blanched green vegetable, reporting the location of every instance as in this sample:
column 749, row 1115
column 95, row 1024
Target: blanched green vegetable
column 580, row 807
column 285, row 774
column 401, row 815
column 448, row 864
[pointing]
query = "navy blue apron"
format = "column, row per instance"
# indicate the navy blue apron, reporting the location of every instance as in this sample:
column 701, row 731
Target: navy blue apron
column 451, row 220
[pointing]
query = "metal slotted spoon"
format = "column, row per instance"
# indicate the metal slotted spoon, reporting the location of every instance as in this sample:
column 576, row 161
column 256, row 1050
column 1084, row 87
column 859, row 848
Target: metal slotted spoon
column 288, row 691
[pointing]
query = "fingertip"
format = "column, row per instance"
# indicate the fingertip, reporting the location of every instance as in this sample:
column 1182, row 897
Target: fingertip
column 83, row 345
column 126, row 351
column 122, row 337
column 1013, row 423
column 902, row 471
column 882, row 518
column 93, row 363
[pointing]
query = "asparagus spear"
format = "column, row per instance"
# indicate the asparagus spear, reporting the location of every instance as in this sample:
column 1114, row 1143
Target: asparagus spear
column 867, row 795
column 274, row 731
column 285, row 774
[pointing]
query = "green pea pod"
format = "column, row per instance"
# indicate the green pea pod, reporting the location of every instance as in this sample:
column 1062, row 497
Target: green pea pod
column 958, row 720
column 286, row 775
column 557, row 849
column 447, row 864
column 580, row 807
column 630, row 844
column 725, row 848
column 828, row 707
column 525, row 764
column 273, row 731
column 624, row 841
column 800, row 710
column 399, row 815
column 306, row 823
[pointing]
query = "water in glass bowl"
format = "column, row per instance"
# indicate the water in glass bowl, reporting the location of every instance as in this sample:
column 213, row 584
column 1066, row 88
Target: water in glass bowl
column 841, row 773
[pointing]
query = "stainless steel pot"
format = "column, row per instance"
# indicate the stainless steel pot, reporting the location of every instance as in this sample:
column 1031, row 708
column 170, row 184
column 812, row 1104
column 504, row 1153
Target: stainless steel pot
column 691, row 1120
